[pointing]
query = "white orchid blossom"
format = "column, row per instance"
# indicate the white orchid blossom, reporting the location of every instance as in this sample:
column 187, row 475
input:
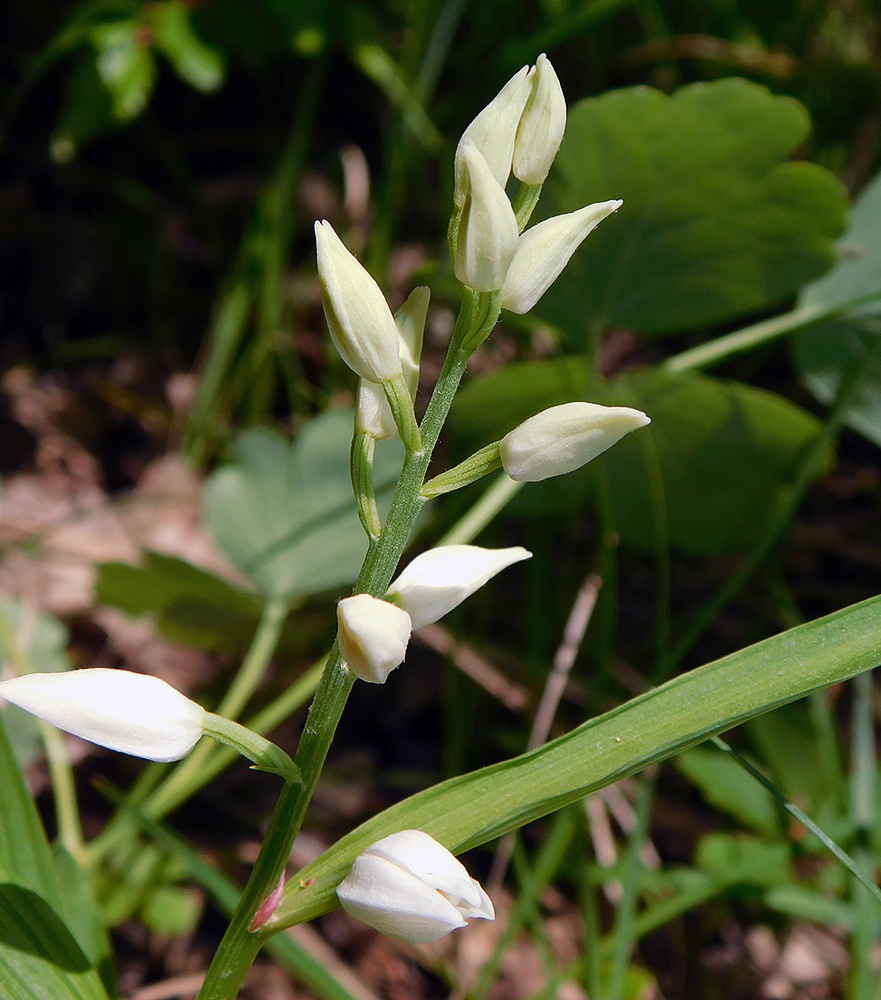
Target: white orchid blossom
column 410, row 887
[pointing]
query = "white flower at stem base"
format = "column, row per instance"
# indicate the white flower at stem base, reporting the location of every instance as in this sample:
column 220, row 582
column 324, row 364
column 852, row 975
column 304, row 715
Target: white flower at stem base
column 487, row 235
column 120, row 710
column 563, row 438
column 544, row 250
column 410, row 887
column 373, row 636
column 358, row 317
column 439, row 580
column 493, row 133
column 541, row 126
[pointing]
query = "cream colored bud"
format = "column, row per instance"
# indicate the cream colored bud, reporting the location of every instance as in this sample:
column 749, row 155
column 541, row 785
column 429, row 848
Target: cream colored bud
column 542, row 125
column 373, row 636
column 544, row 250
column 439, row 580
column 488, row 234
column 117, row 709
column 564, row 438
column 358, row 317
column 372, row 414
column 410, row 887
column 493, row 133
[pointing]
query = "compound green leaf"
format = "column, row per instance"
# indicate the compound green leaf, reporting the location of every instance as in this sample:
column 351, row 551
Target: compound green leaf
column 715, row 224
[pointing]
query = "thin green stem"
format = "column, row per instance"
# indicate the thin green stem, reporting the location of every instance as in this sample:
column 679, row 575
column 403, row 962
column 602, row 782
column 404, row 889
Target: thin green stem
column 239, row 948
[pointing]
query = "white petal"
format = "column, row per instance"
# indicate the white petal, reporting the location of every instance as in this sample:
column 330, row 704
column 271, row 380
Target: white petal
column 421, row 855
column 563, row 438
column 493, row 132
column 438, row 580
column 385, row 896
column 373, row 636
column 124, row 711
column 544, row 250
column 358, row 317
column 542, row 125
column 488, row 233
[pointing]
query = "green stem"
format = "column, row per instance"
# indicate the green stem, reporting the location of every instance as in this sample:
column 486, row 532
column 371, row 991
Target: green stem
column 239, row 947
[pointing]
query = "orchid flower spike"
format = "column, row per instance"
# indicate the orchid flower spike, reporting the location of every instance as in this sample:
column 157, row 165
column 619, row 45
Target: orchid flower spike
column 410, row 887
column 358, row 317
column 563, row 438
column 373, row 636
column 439, row 580
column 118, row 709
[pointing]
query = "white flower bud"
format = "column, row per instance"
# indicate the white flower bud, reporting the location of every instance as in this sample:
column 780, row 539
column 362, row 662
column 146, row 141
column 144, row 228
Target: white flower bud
column 410, row 887
column 120, row 710
column 439, row 580
column 488, row 234
column 373, row 636
column 358, row 317
column 564, row 438
column 542, row 125
column 493, row 133
column 544, row 250
column 372, row 414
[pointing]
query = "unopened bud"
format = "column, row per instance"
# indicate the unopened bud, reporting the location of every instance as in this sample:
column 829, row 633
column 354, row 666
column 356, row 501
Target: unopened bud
column 124, row 711
column 373, row 636
column 563, row 438
column 487, row 235
column 412, row 888
column 439, row 580
column 358, row 317
column 493, row 133
column 544, row 250
column 542, row 125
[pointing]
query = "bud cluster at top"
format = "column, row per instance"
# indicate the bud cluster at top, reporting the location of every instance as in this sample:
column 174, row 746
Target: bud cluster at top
column 519, row 133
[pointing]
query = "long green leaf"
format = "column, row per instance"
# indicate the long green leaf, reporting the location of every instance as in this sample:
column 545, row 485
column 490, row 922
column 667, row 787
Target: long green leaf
column 42, row 956
column 475, row 808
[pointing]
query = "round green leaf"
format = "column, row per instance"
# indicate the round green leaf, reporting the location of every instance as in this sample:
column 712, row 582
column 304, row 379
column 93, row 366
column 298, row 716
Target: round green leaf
column 714, row 223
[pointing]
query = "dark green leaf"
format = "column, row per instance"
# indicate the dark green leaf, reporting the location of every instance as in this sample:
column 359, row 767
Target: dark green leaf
column 189, row 605
column 713, row 224
column 725, row 452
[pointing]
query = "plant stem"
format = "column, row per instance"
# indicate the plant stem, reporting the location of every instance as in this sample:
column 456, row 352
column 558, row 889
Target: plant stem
column 239, row 947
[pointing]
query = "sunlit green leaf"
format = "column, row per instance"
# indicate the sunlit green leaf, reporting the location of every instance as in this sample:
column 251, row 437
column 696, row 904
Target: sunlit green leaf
column 194, row 61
